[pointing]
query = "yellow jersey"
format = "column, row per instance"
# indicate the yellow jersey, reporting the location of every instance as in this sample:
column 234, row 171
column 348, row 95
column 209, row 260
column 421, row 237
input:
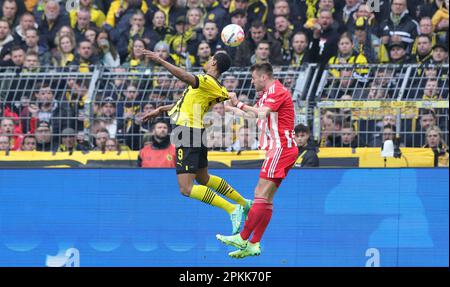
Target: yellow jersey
column 196, row 101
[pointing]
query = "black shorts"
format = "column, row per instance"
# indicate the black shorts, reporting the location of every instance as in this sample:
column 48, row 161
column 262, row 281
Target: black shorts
column 192, row 154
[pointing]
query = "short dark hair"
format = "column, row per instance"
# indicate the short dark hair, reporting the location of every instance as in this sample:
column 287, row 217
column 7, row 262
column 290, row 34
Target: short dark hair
column 427, row 112
column 301, row 128
column 223, row 62
column 17, row 48
column 258, row 24
column 263, row 42
column 425, row 36
column 265, row 68
column 389, row 126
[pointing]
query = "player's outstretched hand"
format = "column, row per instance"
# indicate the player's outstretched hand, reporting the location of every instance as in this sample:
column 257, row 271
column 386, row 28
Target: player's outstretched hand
column 151, row 114
column 233, row 99
column 152, row 56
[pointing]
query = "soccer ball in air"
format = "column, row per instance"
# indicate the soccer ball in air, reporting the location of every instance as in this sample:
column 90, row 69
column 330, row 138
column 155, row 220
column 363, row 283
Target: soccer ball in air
column 233, row 35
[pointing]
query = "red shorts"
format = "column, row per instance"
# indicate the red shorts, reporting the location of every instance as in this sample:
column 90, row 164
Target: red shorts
column 278, row 163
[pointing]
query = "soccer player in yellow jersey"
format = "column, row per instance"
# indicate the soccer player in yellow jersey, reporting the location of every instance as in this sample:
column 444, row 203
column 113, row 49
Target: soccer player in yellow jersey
column 203, row 92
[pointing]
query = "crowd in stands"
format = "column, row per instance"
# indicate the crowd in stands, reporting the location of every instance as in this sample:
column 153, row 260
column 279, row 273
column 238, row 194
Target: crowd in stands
column 80, row 36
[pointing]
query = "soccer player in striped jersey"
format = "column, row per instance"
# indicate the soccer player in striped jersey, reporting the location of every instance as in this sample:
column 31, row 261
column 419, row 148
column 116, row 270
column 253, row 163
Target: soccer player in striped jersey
column 277, row 138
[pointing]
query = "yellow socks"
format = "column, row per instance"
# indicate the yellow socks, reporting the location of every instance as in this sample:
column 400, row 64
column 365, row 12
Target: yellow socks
column 208, row 196
column 222, row 187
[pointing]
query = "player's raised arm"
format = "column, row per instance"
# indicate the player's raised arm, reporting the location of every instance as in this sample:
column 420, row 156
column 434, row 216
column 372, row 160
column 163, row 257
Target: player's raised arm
column 178, row 72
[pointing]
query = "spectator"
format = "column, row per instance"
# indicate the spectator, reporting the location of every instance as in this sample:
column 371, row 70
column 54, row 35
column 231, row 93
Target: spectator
column 211, row 36
column 367, row 43
column 27, row 21
column 28, row 143
column 47, row 109
column 262, row 53
column 440, row 19
column 136, row 60
column 397, row 53
column 69, row 142
column 170, row 9
column 348, row 12
column 347, row 55
column 425, row 28
column 331, row 126
column 255, row 10
column 367, row 14
column 424, row 51
column 127, row 111
column 14, row 136
column 4, row 143
column 280, row 8
column 91, row 34
column 240, row 17
column 375, row 134
column 300, row 53
column 31, row 63
column 440, row 149
column 6, row 40
column 325, row 38
column 203, row 54
column 65, row 55
column 119, row 8
column 82, row 23
column 283, row 34
column 108, row 115
column 50, row 23
column 230, row 82
column 245, row 141
column 97, row 15
column 9, row 12
column 440, row 53
column 111, row 145
column 17, row 57
column 306, row 149
column 348, row 137
column 31, row 43
column 159, row 31
column 107, row 53
column 129, row 32
column 258, row 33
column 388, row 134
column 216, row 12
column 101, row 137
column 180, row 56
column 43, row 136
column 163, row 51
column 85, row 58
column 427, row 119
column 160, row 153
column 431, row 91
column 400, row 26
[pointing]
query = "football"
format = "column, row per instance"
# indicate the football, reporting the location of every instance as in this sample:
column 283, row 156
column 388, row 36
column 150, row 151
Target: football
column 233, row 35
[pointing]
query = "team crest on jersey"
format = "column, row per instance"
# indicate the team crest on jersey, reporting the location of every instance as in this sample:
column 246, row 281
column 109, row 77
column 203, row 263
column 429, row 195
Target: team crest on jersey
column 211, row 16
column 169, row 157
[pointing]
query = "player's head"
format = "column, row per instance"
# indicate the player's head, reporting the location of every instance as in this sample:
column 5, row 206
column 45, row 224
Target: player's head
column 218, row 64
column 262, row 74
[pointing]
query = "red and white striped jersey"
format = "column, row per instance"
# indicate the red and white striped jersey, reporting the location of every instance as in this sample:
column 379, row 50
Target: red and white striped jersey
column 277, row 130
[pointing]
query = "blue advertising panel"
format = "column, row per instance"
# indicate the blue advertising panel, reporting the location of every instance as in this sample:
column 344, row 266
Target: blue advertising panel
column 137, row 217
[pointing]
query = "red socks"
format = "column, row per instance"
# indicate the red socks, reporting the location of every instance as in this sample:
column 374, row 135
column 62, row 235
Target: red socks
column 257, row 220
